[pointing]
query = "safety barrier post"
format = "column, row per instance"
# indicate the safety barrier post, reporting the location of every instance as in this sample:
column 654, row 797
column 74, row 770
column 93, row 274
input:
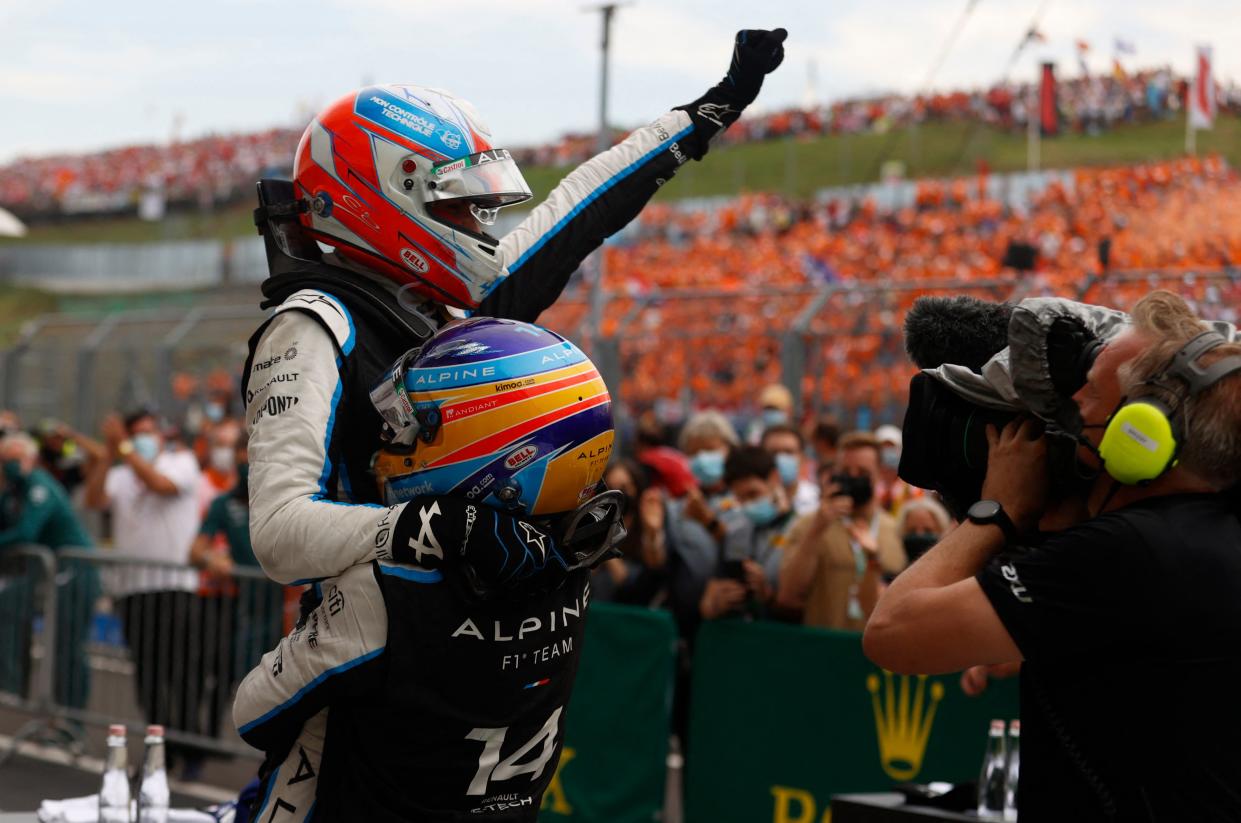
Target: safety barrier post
column 40, row 702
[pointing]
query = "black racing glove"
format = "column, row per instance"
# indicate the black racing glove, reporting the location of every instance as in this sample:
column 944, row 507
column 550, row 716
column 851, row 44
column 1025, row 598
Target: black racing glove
column 489, row 553
column 756, row 53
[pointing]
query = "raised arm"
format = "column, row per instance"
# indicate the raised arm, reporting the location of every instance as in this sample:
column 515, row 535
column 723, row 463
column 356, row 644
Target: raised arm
column 605, row 193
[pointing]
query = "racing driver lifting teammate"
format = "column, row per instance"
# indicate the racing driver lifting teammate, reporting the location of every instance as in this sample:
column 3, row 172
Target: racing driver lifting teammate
column 446, row 681
column 401, row 183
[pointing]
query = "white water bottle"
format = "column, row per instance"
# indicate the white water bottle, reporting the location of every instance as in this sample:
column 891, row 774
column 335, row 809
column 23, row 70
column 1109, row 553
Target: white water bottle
column 1013, row 771
column 114, row 790
column 991, row 777
column 153, row 797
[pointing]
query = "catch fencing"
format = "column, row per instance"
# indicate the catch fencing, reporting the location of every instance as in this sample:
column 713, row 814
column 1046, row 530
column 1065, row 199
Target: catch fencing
column 837, row 346
column 95, row 638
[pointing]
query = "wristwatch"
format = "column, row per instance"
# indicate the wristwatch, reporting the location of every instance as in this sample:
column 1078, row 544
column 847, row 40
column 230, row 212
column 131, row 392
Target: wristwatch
column 125, row 448
column 991, row 513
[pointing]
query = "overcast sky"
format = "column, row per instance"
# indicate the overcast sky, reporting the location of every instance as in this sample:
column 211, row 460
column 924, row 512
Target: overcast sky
column 80, row 75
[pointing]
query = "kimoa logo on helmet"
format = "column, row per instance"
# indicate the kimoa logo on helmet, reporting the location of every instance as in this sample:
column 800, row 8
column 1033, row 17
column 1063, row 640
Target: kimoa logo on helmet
column 414, row 260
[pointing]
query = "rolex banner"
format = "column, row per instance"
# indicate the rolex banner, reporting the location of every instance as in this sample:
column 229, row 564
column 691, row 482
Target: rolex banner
column 784, row 717
column 612, row 768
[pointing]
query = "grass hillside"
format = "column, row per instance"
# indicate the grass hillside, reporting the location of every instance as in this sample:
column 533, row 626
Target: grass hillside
column 793, row 166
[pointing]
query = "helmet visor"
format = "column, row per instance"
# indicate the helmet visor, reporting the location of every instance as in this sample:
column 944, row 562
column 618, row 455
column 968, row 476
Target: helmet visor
column 489, row 179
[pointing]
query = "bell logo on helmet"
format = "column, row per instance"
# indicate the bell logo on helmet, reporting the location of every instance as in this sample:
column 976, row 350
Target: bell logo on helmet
column 414, row 260
column 521, row 457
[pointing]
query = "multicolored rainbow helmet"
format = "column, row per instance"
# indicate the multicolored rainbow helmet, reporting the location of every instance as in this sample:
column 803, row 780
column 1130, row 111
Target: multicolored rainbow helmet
column 503, row 413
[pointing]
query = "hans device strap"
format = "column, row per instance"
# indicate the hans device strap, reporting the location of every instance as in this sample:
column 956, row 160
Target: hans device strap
column 1144, row 435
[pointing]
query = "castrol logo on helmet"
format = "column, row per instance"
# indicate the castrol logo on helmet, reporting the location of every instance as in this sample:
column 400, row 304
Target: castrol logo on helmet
column 521, row 457
column 414, row 260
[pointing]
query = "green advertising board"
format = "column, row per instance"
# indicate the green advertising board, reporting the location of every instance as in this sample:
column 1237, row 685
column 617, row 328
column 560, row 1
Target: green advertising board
column 784, row 717
column 612, row 769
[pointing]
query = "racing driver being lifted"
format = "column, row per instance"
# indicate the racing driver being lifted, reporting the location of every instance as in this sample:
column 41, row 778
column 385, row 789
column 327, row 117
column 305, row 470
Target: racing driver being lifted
column 401, row 181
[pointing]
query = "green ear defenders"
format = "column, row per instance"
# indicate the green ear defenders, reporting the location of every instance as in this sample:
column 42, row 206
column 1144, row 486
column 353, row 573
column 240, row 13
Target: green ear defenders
column 1144, row 435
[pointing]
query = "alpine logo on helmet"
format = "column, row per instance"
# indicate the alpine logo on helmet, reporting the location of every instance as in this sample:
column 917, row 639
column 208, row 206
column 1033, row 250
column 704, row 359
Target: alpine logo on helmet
column 520, row 427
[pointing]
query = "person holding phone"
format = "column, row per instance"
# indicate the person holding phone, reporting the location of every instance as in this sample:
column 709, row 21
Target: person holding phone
column 752, row 522
column 833, row 568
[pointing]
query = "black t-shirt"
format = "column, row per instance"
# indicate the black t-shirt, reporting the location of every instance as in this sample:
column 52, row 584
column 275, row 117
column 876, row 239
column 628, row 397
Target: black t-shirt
column 1130, row 626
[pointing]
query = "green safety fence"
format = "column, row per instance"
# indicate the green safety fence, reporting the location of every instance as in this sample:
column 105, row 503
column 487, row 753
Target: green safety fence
column 612, row 769
column 783, row 717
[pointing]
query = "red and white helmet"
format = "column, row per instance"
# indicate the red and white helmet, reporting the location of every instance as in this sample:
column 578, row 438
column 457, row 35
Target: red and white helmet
column 402, row 179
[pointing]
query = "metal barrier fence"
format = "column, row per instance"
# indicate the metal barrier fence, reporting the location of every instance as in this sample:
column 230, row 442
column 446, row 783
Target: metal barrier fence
column 130, row 640
column 27, row 630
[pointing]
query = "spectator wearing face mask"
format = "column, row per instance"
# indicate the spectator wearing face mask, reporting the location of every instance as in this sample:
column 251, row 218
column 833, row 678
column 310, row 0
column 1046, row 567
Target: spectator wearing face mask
column 892, row 492
column 219, row 474
column 693, row 528
column 205, row 420
column 785, row 445
column 151, row 494
column 921, row 523
column 736, row 573
column 775, row 408
column 35, row 510
column 755, row 516
column 706, row 440
column 61, row 455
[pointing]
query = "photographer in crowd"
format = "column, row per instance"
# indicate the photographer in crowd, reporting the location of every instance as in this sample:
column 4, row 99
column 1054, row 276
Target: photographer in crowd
column 871, row 528
column 1126, row 621
column 833, row 565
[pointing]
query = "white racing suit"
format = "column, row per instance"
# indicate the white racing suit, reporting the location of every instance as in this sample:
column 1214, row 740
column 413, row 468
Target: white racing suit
column 314, row 512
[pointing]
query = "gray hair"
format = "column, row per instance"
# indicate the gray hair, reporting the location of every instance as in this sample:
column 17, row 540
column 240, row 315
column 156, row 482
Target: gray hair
column 708, row 423
column 924, row 504
column 24, row 442
column 1211, row 421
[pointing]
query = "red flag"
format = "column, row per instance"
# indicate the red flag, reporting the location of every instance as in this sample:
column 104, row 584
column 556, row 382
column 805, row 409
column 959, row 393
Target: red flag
column 1201, row 92
column 1048, row 116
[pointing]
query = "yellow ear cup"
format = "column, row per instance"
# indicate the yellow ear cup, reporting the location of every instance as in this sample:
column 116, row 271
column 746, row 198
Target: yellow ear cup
column 1138, row 444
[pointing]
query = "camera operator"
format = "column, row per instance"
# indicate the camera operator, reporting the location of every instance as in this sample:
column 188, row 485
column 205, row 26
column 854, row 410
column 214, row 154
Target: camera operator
column 1128, row 621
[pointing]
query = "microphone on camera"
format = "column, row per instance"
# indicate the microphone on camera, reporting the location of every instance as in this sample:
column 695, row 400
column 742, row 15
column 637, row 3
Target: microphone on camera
column 961, row 330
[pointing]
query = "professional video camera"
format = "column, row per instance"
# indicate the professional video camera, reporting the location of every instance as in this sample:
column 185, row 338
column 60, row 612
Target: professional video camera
column 983, row 364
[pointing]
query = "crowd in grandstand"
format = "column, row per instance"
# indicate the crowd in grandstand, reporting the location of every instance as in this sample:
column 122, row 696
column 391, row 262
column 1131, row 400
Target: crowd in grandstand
column 757, row 262
column 203, row 172
column 221, row 168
